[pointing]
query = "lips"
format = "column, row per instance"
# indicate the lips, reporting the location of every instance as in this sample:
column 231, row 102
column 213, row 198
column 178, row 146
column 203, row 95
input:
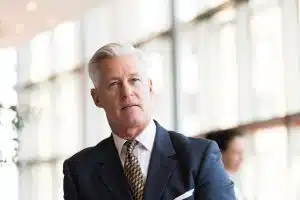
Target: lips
column 128, row 106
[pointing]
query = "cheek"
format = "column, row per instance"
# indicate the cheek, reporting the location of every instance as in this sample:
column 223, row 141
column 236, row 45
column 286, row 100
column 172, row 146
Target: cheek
column 236, row 159
column 230, row 158
column 110, row 101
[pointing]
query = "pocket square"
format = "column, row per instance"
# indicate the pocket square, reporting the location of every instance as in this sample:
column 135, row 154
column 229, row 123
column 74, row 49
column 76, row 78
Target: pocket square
column 185, row 195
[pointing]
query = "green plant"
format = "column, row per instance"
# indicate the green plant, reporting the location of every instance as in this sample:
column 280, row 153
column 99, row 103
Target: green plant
column 17, row 120
column 12, row 120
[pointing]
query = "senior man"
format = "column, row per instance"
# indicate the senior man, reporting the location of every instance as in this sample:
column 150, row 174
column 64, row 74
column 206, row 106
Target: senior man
column 141, row 159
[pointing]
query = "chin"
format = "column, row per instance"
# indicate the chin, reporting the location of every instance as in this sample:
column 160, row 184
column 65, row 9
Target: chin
column 132, row 121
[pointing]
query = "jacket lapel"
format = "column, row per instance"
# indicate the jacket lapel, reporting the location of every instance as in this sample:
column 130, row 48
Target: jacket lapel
column 161, row 166
column 111, row 171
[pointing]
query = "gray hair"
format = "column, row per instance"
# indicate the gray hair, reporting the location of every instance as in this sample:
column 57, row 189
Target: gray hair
column 109, row 51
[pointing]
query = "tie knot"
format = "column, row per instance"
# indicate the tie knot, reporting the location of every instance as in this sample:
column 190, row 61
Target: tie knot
column 130, row 144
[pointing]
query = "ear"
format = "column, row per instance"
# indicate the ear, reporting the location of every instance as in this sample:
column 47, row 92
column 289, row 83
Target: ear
column 96, row 98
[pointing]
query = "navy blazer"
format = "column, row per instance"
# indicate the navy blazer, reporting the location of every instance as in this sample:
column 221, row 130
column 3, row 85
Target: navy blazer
column 178, row 164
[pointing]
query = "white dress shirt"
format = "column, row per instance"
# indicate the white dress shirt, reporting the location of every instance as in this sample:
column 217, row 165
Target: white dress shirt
column 238, row 193
column 142, row 150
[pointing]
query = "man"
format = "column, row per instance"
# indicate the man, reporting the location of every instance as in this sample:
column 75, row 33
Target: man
column 141, row 159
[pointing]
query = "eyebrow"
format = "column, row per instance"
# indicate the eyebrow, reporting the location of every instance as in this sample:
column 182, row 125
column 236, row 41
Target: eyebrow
column 118, row 78
column 113, row 78
column 134, row 74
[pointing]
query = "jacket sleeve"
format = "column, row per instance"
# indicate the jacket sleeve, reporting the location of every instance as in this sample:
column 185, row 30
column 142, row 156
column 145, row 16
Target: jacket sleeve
column 70, row 192
column 213, row 182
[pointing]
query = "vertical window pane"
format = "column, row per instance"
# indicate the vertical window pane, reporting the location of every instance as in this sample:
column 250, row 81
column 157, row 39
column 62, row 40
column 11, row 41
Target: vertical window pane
column 42, row 124
column 8, row 97
column 42, row 181
column 268, row 68
column 9, row 181
column 294, row 160
column 28, row 138
column 8, row 76
column 159, row 62
column 260, row 3
column 188, row 82
column 206, row 51
column 188, row 9
column 67, row 115
column 41, row 56
column 149, row 23
column 210, row 75
column 66, row 46
column 298, row 9
column 58, row 180
column 227, row 90
column 26, row 184
column 271, row 151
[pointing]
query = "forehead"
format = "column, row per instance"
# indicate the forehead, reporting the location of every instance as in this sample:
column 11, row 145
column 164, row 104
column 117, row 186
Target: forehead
column 119, row 64
column 237, row 143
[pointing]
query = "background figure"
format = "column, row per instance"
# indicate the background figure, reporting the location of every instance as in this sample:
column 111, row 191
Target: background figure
column 231, row 144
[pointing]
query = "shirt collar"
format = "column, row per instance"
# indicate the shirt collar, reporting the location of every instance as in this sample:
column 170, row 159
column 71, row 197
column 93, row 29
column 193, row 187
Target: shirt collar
column 146, row 138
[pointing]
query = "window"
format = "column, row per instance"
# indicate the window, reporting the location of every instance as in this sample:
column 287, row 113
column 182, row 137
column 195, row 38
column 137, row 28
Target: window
column 189, row 83
column 263, row 3
column 205, row 49
column 66, row 46
column 67, row 114
column 149, row 23
column 8, row 76
column 294, row 161
column 271, row 153
column 188, row 9
column 268, row 68
column 41, row 56
column 42, row 181
column 209, row 75
column 227, row 79
column 8, row 97
column 161, row 72
column 41, row 123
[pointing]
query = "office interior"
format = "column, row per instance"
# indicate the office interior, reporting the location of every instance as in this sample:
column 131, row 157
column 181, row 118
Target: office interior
column 215, row 64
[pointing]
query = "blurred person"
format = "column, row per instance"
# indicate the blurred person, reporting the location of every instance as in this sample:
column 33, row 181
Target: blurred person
column 231, row 144
column 141, row 159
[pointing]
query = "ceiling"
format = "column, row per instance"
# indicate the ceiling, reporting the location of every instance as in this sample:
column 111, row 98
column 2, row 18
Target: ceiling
column 20, row 20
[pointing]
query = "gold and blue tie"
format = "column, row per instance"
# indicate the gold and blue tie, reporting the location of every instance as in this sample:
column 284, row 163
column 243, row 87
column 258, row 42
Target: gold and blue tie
column 133, row 171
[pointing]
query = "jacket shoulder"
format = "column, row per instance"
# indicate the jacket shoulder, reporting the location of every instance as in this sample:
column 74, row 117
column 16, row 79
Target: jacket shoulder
column 86, row 155
column 190, row 152
column 183, row 142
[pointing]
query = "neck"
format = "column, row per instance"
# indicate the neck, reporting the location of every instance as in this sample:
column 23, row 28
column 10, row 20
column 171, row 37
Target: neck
column 230, row 172
column 129, row 133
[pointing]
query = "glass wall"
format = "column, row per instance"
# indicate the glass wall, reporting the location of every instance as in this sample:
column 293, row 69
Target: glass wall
column 53, row 96
column 160, row 70
column 8, row 98
column 266, row 31
column 294, row 159
column 41, row 56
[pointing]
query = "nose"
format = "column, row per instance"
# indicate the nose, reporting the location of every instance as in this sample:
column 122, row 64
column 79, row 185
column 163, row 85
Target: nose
column 126, row 89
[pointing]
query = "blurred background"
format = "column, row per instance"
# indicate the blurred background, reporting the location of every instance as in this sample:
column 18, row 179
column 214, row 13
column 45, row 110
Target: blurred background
column 215, row 64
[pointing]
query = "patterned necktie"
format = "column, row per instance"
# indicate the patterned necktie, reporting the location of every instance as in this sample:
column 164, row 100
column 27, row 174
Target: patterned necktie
column 133, row 171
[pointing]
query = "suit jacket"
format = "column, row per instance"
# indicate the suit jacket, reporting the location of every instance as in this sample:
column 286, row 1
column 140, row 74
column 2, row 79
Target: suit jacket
column 182, row 167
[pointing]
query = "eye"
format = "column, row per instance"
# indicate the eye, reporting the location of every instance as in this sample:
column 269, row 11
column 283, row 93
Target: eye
column 112, row 84
column 135, row 79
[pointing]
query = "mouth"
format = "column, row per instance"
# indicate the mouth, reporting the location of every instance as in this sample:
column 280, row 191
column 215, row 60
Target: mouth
column 129, row 106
